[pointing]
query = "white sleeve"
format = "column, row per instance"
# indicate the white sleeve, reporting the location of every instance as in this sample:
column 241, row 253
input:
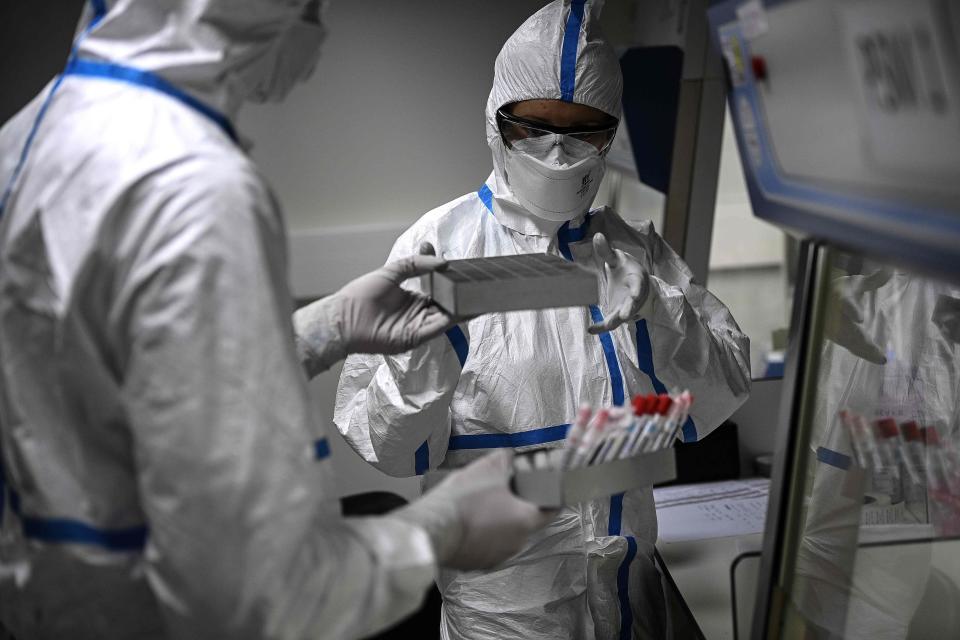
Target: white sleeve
column 695, row 342
column 395, row 410
column 246, row 539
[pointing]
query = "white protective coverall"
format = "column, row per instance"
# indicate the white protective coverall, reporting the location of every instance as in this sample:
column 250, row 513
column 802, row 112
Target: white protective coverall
column 516, row 379
column 165, row 473
column 857, row 592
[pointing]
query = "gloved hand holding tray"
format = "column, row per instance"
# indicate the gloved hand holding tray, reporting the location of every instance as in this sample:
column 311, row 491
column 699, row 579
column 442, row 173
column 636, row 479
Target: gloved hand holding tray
column 474, row 286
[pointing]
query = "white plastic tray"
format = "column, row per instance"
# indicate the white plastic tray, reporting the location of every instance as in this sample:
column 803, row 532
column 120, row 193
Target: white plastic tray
column 512, row 283
column 554, row 488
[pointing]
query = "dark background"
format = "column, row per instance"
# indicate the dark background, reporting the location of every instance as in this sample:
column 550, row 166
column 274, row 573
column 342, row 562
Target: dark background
column 35, row 37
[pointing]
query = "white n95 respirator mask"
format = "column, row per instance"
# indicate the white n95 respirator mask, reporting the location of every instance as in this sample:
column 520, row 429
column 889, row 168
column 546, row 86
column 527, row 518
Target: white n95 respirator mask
column 554, row 177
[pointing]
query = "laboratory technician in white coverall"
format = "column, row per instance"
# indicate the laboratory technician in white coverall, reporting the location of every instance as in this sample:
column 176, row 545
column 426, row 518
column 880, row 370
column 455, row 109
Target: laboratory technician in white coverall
column 163, row 473
column 515, row 380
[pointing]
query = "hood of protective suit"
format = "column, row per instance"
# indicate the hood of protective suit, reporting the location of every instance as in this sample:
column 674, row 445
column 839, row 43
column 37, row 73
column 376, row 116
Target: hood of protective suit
column 223, row 52
column 559, row 53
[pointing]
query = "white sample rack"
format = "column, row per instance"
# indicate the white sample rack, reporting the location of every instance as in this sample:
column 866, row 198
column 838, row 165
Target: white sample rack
column 560, row 487
column 512, row 283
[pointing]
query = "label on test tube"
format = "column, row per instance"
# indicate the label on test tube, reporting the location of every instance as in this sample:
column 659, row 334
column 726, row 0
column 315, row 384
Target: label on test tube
column 575, row 435
column 856, row 444
column 683, row 402
column 631, row 424
column 615, row 425
column 865, row 434
column 645, row 410
column 594, row 434
column 653, row 426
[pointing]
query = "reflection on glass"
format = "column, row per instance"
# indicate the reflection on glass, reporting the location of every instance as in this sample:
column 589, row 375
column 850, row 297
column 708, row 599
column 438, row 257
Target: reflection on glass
column 878, row 548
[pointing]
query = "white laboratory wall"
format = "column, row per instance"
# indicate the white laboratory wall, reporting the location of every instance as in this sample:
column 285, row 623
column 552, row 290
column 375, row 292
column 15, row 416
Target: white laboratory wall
column 747, row 269
column 390, row 126
column 739, row 239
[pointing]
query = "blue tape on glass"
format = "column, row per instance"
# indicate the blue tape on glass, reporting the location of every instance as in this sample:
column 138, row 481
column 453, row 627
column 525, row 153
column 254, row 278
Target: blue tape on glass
column 833, row 458
column 508, row 440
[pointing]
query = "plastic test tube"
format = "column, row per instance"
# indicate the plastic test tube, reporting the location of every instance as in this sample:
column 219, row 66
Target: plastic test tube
column 670, row 431
column 865, row 433
column 592, row 435
column 886, row 432
column 913, row 450
column 856, row 442
column 664, row 424
column 653, row 425
column 627, row 427
column 905, row 452
column 947, row 473
column 645, row 410
column 936, row 466
column 645, row 427
column 614, row 426
column 575, row 435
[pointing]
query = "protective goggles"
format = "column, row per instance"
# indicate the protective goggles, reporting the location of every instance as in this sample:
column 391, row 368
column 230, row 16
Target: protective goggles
column 513, row 129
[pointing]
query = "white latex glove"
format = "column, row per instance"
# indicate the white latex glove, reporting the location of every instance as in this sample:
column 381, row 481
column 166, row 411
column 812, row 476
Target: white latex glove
column 371, row 314
column 844, row 324
column 472, row 518
column 628, row 286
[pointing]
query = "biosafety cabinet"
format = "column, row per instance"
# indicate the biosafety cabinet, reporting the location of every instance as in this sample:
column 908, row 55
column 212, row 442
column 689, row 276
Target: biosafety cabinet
column 847, row 117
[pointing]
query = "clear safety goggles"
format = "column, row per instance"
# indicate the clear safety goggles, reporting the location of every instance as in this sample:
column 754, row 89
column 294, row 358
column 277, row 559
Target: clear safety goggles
column 513, row 129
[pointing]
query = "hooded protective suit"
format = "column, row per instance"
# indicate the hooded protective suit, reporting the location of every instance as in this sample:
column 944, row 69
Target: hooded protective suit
column 165, row 474
column 516, row 379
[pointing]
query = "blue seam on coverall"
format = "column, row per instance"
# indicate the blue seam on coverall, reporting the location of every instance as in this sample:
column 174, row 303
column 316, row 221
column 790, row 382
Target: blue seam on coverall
column 62, row 530
column 321, row 449
column 568, row 50
column 645, row 360
column 421, row 457
column 505, row 440
column 461, row 346
column 564, row 236
column 137, row 77
column 459, row 343
column 833, row 458
column 99, row 8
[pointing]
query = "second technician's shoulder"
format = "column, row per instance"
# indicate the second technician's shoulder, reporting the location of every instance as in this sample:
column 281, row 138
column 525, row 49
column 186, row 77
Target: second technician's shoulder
column 455, row 229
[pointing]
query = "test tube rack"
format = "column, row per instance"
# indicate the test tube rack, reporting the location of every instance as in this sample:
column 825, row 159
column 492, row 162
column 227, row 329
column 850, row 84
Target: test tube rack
column 559, row 487
column 474, row 286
